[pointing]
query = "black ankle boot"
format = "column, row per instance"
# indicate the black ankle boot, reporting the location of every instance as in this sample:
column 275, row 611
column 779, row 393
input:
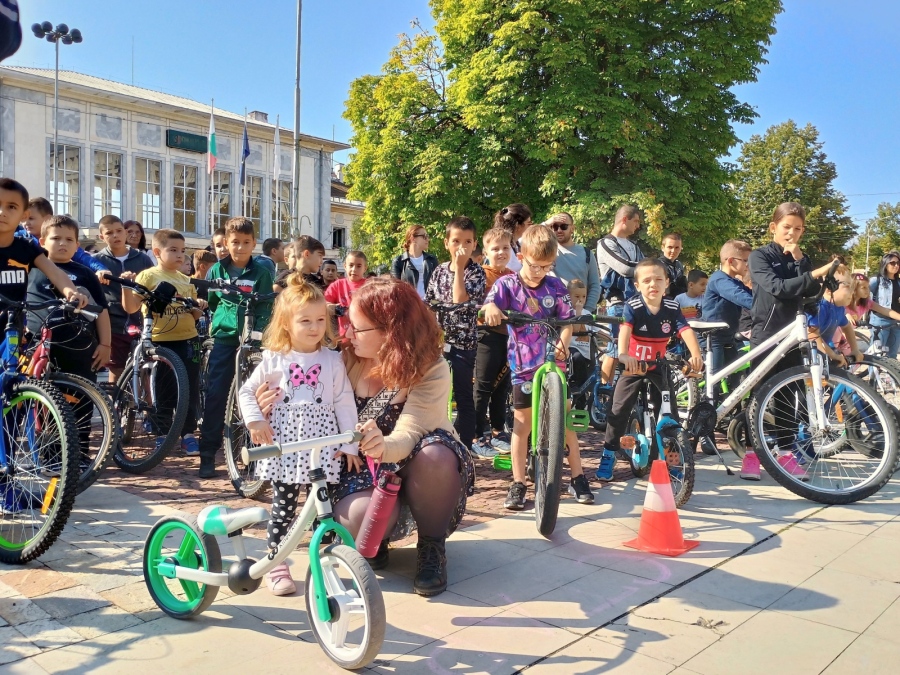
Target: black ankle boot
column 380, row 561
column 431, row 566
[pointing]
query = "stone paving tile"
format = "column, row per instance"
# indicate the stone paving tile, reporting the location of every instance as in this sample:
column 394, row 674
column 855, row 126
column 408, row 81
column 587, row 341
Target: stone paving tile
column 100, row 621
column 48, row 633
column 15, row 646
column 133, row 598
column 887, row 626
column 867, row 655
column 859, row 600
column 19, row 609
column 771, row 642
column 60, row 549
column 874, row 557
column 34, row 582
column 594, row 656
column 7, row 591
column 70, row 601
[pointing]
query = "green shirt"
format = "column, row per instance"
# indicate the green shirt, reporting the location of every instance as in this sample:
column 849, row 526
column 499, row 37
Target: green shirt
column 228, row 311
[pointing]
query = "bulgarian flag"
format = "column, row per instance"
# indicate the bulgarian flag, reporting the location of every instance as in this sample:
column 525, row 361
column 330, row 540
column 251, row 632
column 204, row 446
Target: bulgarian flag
column 211, row 153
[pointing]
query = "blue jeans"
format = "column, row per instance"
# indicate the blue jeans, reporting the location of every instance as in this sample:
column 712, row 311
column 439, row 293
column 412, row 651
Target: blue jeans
column 220, row 374
column 889, row 334
column 612, row 349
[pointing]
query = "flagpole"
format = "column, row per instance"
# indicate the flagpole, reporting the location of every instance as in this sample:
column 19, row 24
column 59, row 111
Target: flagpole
column 295, row 176
column 244, row 171
column 210, row 172
column 276, row 170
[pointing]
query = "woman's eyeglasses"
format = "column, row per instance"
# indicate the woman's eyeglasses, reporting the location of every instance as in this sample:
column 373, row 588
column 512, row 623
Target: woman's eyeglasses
column 893, row 262
column 424, row 235
column 356, row 330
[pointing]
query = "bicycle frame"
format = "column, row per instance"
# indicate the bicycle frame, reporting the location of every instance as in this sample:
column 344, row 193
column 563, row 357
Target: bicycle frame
column 796, row 333
column 317, row 505
column 9, row 360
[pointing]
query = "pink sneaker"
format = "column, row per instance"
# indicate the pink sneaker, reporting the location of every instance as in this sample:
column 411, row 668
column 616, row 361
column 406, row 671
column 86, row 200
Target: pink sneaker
column 750, row 466
column 790, row 464
column 279, row 580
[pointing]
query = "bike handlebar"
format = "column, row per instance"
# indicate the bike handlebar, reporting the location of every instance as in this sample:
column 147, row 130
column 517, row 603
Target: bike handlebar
column 266, row 451
column 226, row 287
column 148, row 295
column 90, row 312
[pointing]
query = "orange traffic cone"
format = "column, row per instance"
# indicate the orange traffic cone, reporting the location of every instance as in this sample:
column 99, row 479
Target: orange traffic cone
column 660, row 530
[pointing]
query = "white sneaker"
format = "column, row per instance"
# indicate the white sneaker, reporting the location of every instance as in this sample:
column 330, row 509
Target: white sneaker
column 482, row 449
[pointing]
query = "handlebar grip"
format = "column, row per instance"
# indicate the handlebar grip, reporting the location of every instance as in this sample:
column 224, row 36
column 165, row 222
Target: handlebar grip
column 262, row 452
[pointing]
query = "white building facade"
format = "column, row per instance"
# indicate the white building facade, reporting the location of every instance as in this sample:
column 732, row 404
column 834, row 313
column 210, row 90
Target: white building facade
column 141, row 155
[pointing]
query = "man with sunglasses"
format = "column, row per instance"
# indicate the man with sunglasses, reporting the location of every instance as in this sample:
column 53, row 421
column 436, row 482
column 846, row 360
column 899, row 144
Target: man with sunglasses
column 574, row 261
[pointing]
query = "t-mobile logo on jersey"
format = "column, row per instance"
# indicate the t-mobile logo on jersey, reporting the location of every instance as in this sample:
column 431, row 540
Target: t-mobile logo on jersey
column 642, row 352
column 13, row 277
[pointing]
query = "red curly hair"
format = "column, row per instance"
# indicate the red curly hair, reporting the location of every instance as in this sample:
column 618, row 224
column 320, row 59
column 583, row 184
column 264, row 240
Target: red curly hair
column 412, row 341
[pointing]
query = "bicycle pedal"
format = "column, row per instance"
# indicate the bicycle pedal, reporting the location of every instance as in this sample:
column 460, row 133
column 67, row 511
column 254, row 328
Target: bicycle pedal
column 578, row 420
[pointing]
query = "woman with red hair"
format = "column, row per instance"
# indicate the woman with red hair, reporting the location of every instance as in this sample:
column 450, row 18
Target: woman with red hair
column 402, row 384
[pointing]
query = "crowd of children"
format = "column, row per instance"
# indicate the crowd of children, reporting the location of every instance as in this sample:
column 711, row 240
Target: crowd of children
column 511, row 268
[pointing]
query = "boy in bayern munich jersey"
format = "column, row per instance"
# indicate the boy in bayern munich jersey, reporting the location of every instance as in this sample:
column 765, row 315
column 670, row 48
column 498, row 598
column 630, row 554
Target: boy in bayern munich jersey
column 649, row 321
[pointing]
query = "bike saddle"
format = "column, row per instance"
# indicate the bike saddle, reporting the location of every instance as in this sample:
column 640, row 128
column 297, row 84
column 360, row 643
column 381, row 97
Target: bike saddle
column 218, row 520
column 704, row 327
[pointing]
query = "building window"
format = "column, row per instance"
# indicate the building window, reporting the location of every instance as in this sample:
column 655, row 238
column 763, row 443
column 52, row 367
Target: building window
column 147, row 188
column 65, row 180
column 221, row 196
column 184, row 198
column 107, row 184
column 253, row 202
column 338, row 237
column 281, row 209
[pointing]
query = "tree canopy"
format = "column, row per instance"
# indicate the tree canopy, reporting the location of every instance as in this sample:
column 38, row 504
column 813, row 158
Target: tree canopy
column 788, row 164
column 883, row 233
column 580, row 105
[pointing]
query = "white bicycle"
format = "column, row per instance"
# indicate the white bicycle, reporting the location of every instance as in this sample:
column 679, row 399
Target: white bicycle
column 822, row 433
column 183, row 564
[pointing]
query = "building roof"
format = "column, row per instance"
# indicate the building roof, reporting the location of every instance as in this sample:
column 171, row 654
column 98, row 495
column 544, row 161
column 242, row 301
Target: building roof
column 142, row 95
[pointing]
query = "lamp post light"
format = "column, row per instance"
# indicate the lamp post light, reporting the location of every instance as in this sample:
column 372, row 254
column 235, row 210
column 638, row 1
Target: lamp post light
column 56, row 35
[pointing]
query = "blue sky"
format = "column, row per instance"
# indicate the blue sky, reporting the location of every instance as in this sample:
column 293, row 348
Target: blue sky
column 831, row 63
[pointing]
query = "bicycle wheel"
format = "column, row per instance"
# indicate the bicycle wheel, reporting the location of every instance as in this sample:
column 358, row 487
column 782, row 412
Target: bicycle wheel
column 353, row 637
column 37, row 487
column 180, row 541
column 687, row 392
column 850, row 459
column 204, row 379
column 95, row 421
column 151, row 424
column 882, row 374
column 679, row 458
column 237, row 437
column 548, row 453
column 634, row 427
column 739, row 435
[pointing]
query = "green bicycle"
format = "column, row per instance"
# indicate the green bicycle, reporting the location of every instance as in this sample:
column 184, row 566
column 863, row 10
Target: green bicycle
column 549, row 419
column 183, row 565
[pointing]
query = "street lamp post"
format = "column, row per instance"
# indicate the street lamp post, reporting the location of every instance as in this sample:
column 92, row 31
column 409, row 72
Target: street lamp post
column 61, row 33
column 295, row 178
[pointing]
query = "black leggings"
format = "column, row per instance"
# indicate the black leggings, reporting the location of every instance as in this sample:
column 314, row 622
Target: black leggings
column 189, row 353
column 625, row 395
column 284, row 506
column 492, row 382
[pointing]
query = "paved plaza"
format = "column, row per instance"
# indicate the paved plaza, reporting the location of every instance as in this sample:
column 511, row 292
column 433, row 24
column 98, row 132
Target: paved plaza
column 777, row 585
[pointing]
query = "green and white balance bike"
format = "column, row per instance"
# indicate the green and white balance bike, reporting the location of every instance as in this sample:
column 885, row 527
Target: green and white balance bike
column 183, row 565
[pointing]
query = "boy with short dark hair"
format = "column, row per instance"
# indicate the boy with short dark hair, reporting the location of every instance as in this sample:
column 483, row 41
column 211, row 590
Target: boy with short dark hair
column 217, row 244
column 339, row 293
column 272, row 254
column 650, row 320
column 671, row 249
column 126, row 262
column 329, row 272
column 534, row 292
column 18, row 256
column 39, row 212
column 174, row 329
column 691, row 300
column 203, row 260
column 492, row 375
column 460, row 281
column 240, row 268
column 309, row 253
column 77, row 346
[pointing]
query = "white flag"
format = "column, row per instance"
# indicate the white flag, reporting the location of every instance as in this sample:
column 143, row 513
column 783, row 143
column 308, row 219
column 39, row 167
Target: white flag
column 277, row 168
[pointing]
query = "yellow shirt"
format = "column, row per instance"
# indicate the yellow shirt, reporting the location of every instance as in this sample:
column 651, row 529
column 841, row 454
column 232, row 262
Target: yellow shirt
column 171, row 325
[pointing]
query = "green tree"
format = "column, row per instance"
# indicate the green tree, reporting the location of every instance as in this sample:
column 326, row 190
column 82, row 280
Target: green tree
column 581, row 106
column 883, row 233
column 788, row 164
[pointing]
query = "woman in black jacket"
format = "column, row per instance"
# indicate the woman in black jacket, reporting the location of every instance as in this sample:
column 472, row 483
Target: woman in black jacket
column 415, row 265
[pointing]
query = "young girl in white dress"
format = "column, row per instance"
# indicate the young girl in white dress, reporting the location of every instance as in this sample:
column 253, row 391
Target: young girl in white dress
column 318, row 401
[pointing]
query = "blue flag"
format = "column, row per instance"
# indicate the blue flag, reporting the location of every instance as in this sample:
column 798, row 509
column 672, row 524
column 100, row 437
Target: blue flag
column 245, row 153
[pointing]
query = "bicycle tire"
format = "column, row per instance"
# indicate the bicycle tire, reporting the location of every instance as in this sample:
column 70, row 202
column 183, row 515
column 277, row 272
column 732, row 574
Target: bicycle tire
column 148, row 454
column 96, row 455
column 548, row 453
column 196, row 550
column 877, row 440
column 683, row 486
column 883, row 375
column 14, row 489
column 738, row 434
column 237, row 437
column 633, row 427
column 362, row 583
column 205, row 349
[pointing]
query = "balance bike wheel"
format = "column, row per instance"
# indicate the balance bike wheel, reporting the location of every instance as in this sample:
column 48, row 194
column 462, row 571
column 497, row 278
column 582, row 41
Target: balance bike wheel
column 180, row 541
